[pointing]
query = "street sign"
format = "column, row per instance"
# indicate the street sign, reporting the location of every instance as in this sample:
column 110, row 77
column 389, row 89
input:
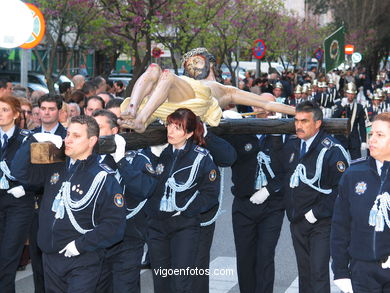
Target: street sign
column 319, row 53
column 259, row 49
column 156, row 52
column 16, row 23
column 349, row 49
column 356, row 57
column 38, row 28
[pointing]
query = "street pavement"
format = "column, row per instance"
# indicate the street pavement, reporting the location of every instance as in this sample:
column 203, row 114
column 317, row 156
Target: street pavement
column 222, row 258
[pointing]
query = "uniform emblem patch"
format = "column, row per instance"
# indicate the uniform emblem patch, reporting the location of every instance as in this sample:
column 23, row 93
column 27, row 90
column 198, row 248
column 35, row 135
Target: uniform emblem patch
column 361, row 187
column 213, row 175
column 54, row 178
column 340, row 166
column 248, row 147
column 118, row 200
column 159, row 169
column 291, row 158
column 149, row 167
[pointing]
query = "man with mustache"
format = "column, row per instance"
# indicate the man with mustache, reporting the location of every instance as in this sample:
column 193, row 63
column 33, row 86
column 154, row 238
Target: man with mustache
column 314, row 164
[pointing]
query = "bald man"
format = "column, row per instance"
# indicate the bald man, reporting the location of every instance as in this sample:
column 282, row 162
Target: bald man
column 78, row 81
column 257, row 211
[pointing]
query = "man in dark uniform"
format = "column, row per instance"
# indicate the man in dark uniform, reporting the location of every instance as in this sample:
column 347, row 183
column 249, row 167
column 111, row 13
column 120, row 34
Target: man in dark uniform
column 314, row 163
column 122, row 263
column 258, row 207
column 360, row 227
column 349, row 108
column 82, row 210
column 49, row 110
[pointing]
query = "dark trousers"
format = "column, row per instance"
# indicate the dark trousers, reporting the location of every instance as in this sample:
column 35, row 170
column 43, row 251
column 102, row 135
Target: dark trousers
column 16, row 214
column 369, row 277
column 173, row 246
column 201, row 282
column 121, row 269
column 78, row 274
column 36, row 255
column 312, row 250
column 256, row 231
column 122, row 262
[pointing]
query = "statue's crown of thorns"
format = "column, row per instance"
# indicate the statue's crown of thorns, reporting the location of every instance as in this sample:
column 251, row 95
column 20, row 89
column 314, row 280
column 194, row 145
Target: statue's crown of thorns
column 198, row 51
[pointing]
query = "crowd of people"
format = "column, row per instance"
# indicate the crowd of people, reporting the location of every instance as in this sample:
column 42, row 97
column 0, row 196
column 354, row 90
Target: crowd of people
column 87, row 219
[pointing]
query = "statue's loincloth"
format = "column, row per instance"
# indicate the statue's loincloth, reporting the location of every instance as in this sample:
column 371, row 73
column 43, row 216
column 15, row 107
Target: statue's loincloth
column 203, row 105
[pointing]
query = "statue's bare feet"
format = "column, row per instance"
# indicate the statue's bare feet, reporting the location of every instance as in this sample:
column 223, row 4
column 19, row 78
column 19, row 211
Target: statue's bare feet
column 132, row 124
column 130, row 111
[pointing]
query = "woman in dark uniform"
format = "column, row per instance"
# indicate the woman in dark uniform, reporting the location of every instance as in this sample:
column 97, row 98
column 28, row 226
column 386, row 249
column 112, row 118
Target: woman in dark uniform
column 189, row 182
column 16, row 207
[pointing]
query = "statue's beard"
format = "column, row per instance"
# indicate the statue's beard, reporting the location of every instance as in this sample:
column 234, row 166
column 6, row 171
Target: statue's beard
column 195, row 72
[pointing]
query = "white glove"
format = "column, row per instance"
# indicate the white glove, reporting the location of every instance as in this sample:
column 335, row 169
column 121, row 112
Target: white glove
column 53, row 138
column 205, row 130
column 158, row 149
column 259, row 196
column 310, row 217
column 386, row 264
column 120, row 148
column 364, row 146
column 344, row 285
column 344, row 102
column 70, row 250
column 17, row 191
column 230, row 114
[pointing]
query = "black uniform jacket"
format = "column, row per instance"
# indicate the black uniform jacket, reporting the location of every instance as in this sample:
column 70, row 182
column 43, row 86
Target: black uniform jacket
column 104, row 215
column 303, row 198
column 352, row 237
column 207, row 180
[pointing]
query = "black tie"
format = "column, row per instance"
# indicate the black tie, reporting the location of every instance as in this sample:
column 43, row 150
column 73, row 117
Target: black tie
column 303, row 149
column 5, row 142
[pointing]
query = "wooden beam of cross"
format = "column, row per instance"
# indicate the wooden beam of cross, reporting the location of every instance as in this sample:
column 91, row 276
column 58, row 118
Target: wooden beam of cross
column 156, row 134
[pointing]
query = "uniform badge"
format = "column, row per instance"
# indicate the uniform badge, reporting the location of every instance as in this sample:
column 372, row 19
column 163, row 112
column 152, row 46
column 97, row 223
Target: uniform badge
column 76, row 188
column 248, row 147
column 340, row 166
column 149, row 167
column 54, row 178
column 327, row 143
column 212, row 175
column 291, row 158
column 361, row 187
column 159, row 169
column 118, row 200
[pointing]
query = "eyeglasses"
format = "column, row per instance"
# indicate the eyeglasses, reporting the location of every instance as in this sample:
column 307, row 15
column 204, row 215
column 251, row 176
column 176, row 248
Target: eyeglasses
column 26, row 112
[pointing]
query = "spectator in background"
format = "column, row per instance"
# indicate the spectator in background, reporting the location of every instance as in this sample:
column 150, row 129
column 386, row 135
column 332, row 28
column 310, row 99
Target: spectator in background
column 106, row 97
column 79, row 98
column 242, row 108
column 83, row 70
column 26, row 114
column 256, row 88
column 64, row 115
column 5, row 87
column 93, row 103
column 74, row 109
column 78, row 81
column 248, row 80
column 114, row 106
column 65, row 90
column 89, row 89
column 100, row 83
column 36, row 117
column 119, row 89
column 20, row 91
column 35, row 95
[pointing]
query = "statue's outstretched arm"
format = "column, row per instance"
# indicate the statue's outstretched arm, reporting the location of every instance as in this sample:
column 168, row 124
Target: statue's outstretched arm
column 232, row 95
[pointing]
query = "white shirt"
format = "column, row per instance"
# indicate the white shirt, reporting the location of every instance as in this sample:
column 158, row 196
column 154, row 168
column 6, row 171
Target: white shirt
column 309, row 141
column 379, row 165
column 9, row 133
column 52, row 131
